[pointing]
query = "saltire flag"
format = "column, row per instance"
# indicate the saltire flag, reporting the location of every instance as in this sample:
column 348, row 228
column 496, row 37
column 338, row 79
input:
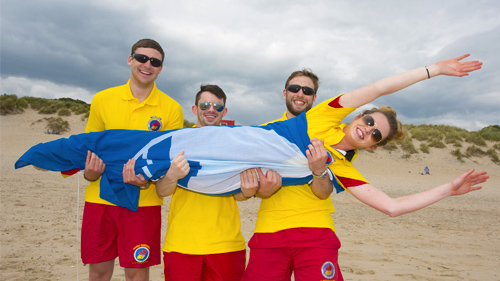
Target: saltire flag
column 216, row 156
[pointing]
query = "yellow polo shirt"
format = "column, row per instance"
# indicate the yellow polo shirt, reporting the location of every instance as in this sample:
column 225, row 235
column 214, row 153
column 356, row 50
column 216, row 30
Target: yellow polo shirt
column 297, row 206
column 116, row 108
column 200, row 224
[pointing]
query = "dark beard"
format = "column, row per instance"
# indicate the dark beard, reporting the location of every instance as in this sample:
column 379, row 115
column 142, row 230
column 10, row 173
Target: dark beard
column 292, row 110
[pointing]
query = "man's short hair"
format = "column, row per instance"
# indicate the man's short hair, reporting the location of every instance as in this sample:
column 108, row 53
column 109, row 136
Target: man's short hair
column 148, row 43
column 307, row 73
column 214, row 89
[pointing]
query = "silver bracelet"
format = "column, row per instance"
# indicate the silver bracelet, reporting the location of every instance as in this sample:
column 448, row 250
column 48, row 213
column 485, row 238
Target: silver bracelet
column 322, row 176
column 146, row 185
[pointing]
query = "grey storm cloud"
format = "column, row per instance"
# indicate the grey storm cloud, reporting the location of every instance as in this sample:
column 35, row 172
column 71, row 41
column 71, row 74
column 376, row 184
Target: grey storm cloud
column 77, row 48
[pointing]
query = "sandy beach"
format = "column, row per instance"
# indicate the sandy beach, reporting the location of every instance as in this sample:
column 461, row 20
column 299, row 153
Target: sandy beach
column 455, row 239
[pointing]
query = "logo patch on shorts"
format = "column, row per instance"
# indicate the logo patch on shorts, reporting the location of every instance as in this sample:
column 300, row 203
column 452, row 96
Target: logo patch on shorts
column 141, row 253
column 154, row 124
column 328, row 270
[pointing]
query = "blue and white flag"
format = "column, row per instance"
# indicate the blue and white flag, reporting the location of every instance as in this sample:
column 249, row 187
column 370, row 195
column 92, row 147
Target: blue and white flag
column 216, row 155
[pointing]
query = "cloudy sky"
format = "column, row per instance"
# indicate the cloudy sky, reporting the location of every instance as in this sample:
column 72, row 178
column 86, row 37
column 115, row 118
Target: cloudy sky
column 60, row 48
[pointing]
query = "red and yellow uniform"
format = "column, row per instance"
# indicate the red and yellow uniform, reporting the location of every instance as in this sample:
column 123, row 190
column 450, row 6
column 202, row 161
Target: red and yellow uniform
column 203, row 232
column 116, row 108
column 294, row 218
column 108, row 230
column 203, row 238
column 200, row 224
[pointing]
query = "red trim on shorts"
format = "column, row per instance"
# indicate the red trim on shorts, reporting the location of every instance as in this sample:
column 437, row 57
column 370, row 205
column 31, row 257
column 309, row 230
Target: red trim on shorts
column 296, row 237
column 112, row 231
column 307, row 260
column 224, row 266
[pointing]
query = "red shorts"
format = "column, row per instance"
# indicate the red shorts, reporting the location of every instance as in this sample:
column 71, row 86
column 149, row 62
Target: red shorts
column 310, row 253
column 111, row 231
column 224, row 267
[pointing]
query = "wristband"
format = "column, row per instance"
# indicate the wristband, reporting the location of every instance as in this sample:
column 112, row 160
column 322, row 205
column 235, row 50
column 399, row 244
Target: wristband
column 428, row 75
column 86, row 177
column 247, row 197
column 146, row 185
column 322, row 176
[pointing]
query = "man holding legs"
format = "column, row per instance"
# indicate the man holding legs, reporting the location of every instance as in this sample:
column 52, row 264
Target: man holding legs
column 110, row 231
column 203, row 240
column 294, row 230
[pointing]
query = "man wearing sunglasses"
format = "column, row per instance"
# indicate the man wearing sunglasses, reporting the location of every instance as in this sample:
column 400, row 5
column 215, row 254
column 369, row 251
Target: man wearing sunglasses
column 203, row 239
column 295, row 217
column 294, row 231
column 110, row 231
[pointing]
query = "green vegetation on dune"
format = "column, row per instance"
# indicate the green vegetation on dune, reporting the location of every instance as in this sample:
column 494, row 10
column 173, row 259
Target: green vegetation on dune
column 55, row 125
column 491, row 133
column 441, row 136
column 11, row 104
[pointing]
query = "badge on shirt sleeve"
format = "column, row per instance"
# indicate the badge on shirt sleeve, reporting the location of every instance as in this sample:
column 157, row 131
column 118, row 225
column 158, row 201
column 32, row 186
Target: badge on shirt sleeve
column 329, row 160
column 154, row 124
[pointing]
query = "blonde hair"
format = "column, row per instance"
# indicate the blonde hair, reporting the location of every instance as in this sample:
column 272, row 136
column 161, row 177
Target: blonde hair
column 397, row 131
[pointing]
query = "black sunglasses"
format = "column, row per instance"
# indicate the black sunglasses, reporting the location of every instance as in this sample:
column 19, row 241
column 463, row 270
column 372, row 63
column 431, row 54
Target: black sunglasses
column 296, row 88
column 204, row 105
column 376, row 134
column 143, row 59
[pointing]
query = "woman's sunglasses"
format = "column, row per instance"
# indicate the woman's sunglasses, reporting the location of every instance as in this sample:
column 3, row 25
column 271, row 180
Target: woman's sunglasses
column 204, row 105
column 143, row 59
column 376, row 134
column 296, row 88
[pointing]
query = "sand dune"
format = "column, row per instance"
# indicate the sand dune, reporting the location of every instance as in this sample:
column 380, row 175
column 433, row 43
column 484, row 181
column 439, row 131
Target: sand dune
column 455, row 239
